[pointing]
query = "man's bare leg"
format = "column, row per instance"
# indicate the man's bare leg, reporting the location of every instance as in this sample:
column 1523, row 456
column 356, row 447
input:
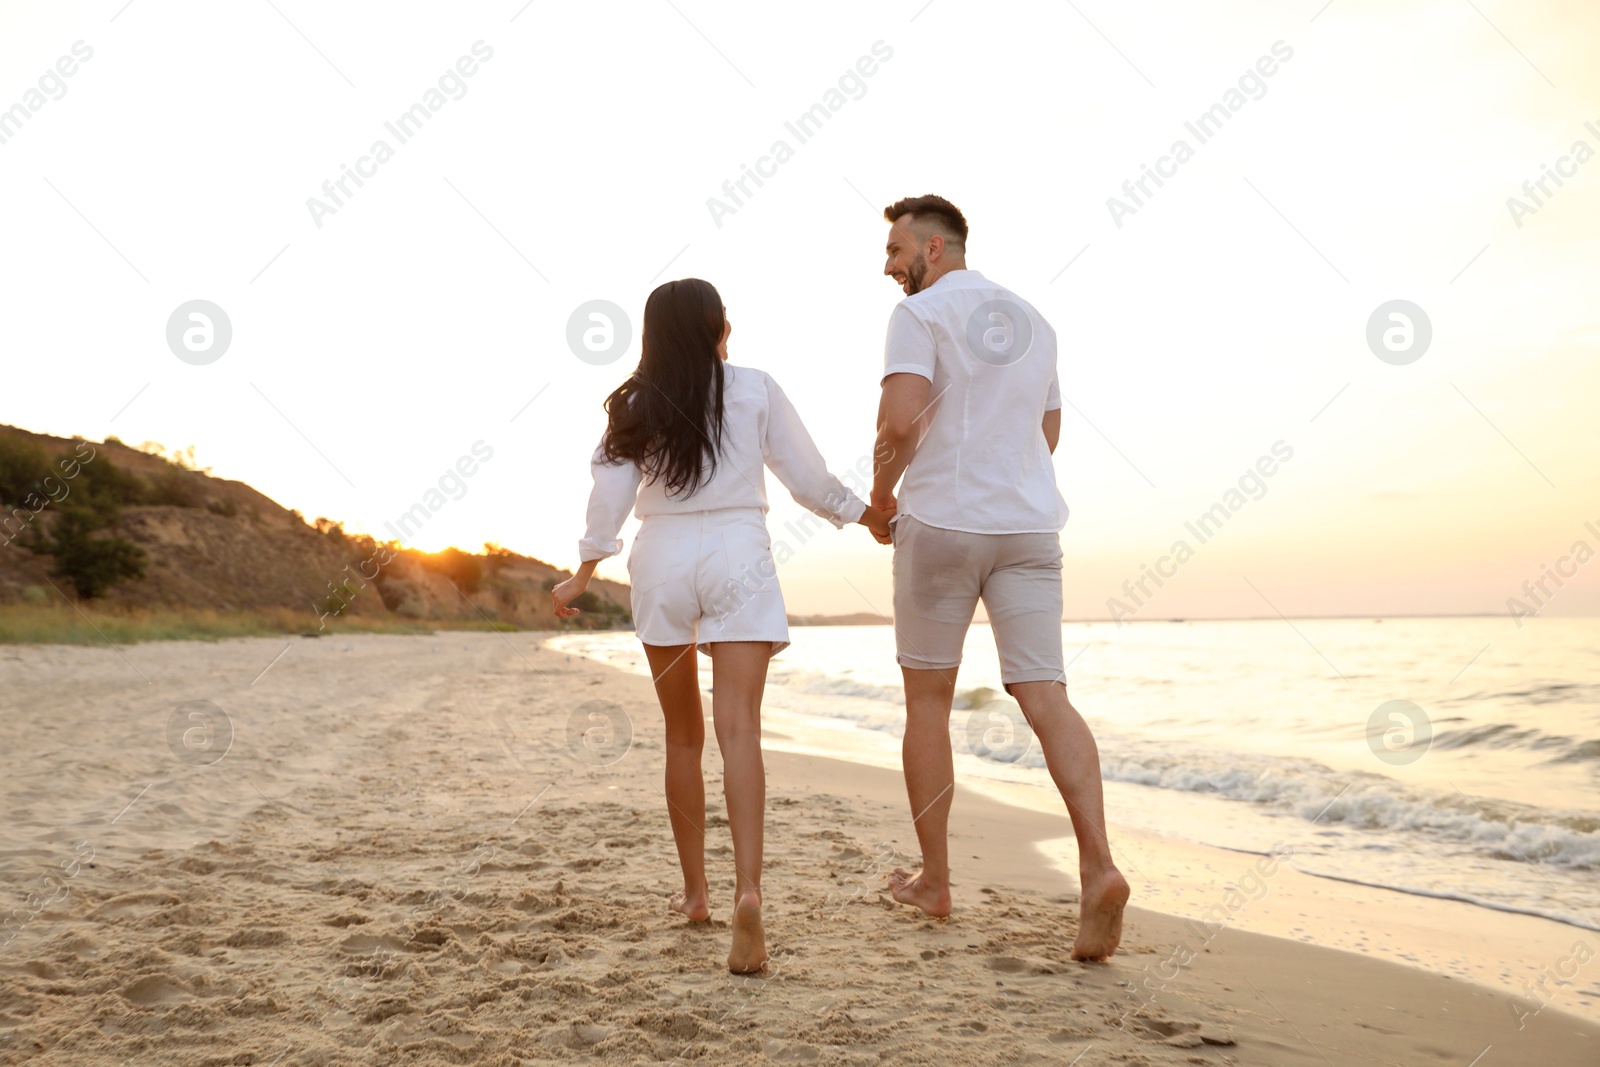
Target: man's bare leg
column 930, row 784
column 1074, row 762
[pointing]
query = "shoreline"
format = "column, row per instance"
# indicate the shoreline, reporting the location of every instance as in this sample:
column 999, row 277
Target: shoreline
column 1516, row 952
column 1195, row 962
column 407, row 855
column 1527, row 957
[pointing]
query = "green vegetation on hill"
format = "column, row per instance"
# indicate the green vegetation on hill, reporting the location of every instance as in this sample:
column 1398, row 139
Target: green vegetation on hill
column 86, row 491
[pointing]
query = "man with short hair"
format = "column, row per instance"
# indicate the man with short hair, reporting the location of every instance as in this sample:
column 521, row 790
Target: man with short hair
column 970, row 415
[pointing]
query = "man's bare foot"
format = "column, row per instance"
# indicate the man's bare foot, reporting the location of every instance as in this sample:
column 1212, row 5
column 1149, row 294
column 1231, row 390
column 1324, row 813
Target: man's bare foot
column 915, row 890
column 1100, row 917
column 695, row 907
column 749, row 954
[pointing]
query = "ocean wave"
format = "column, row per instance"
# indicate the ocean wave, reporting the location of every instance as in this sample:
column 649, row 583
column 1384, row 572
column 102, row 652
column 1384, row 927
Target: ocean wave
column 819, row 684
column 837, row 685
column 1587, row 752
column 1564, row 749
column 1502, row 829
column 1545, row 693
column 1552, row 693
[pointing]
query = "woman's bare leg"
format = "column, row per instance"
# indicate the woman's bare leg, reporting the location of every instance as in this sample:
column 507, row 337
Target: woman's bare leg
column 677, row 679
column 738, row 676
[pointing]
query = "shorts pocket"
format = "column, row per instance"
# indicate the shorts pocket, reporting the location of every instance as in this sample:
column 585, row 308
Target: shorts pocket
column 646, row 570
column 749, row 572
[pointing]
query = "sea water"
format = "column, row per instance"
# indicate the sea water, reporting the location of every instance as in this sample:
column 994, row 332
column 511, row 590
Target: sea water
column 1456, row 757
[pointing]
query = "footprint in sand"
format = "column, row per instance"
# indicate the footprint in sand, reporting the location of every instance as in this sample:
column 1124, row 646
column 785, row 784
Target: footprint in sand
column 1070, row 1037
column 778, row 1052
column 256, row 937
column 156, row 990
column 367, row 943
column 583, row 1035
column 387, row 1008
column 678, row 1025
column 1016, row 965
column 134, row 905
column 1185, row 1034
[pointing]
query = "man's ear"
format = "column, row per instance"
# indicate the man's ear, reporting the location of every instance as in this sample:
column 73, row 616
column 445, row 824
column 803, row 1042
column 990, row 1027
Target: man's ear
column 935, row 247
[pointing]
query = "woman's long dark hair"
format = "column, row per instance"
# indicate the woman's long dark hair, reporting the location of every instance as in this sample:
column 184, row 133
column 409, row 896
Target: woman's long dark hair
column 667, row 417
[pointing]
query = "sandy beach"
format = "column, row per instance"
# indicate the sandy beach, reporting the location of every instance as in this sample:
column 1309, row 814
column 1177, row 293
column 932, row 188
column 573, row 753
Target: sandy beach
column 379, row 849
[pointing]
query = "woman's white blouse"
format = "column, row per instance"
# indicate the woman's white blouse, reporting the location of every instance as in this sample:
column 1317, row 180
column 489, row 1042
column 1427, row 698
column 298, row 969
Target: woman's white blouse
column 760, row 429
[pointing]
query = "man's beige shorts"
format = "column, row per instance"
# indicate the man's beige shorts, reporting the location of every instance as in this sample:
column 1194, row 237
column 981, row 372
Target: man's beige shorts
column 939, row 576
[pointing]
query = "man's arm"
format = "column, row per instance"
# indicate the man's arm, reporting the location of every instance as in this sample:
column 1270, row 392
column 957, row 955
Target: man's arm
column 904, row 399
column 1052, row 428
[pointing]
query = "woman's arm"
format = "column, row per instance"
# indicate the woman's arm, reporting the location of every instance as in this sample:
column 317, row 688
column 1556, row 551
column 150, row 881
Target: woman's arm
column 793, row 457
column 616, row 488
column 572, row 589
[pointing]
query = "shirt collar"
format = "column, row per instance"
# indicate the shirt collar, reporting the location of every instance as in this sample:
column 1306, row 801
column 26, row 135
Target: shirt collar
column 958, row 278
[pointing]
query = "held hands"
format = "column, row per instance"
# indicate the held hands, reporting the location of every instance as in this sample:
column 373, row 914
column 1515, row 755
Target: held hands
column 877, row 520
column 885, row 504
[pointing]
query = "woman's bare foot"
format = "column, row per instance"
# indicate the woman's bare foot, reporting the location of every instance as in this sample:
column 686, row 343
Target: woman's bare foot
column 919, row 892
column 1100, row 916
column 749, row 954
column 694, row 906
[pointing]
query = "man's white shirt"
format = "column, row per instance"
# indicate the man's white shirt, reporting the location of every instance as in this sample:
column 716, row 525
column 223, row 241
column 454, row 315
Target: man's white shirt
column 983, row 465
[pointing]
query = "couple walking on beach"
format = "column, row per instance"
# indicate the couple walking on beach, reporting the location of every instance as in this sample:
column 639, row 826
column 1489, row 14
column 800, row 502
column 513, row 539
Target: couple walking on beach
column 969, row 416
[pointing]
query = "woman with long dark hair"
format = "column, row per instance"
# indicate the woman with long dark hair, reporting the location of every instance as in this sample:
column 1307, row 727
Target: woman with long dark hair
column 686, row 440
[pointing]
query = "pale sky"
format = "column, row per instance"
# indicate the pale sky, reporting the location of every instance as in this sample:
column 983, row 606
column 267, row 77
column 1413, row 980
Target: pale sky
column 429, row 311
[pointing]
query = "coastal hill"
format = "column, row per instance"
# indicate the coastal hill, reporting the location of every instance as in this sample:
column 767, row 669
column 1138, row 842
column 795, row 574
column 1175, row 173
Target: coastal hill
column 118, row 527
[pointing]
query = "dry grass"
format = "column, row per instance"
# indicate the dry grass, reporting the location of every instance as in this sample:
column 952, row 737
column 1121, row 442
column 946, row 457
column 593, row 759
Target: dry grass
column 62, row 623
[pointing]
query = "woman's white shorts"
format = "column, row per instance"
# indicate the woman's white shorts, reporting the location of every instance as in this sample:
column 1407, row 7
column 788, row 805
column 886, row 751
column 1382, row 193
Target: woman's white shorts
column 701, row 577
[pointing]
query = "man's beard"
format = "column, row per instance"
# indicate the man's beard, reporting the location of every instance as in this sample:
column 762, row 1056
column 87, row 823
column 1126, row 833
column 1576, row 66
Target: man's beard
column 915, row 274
